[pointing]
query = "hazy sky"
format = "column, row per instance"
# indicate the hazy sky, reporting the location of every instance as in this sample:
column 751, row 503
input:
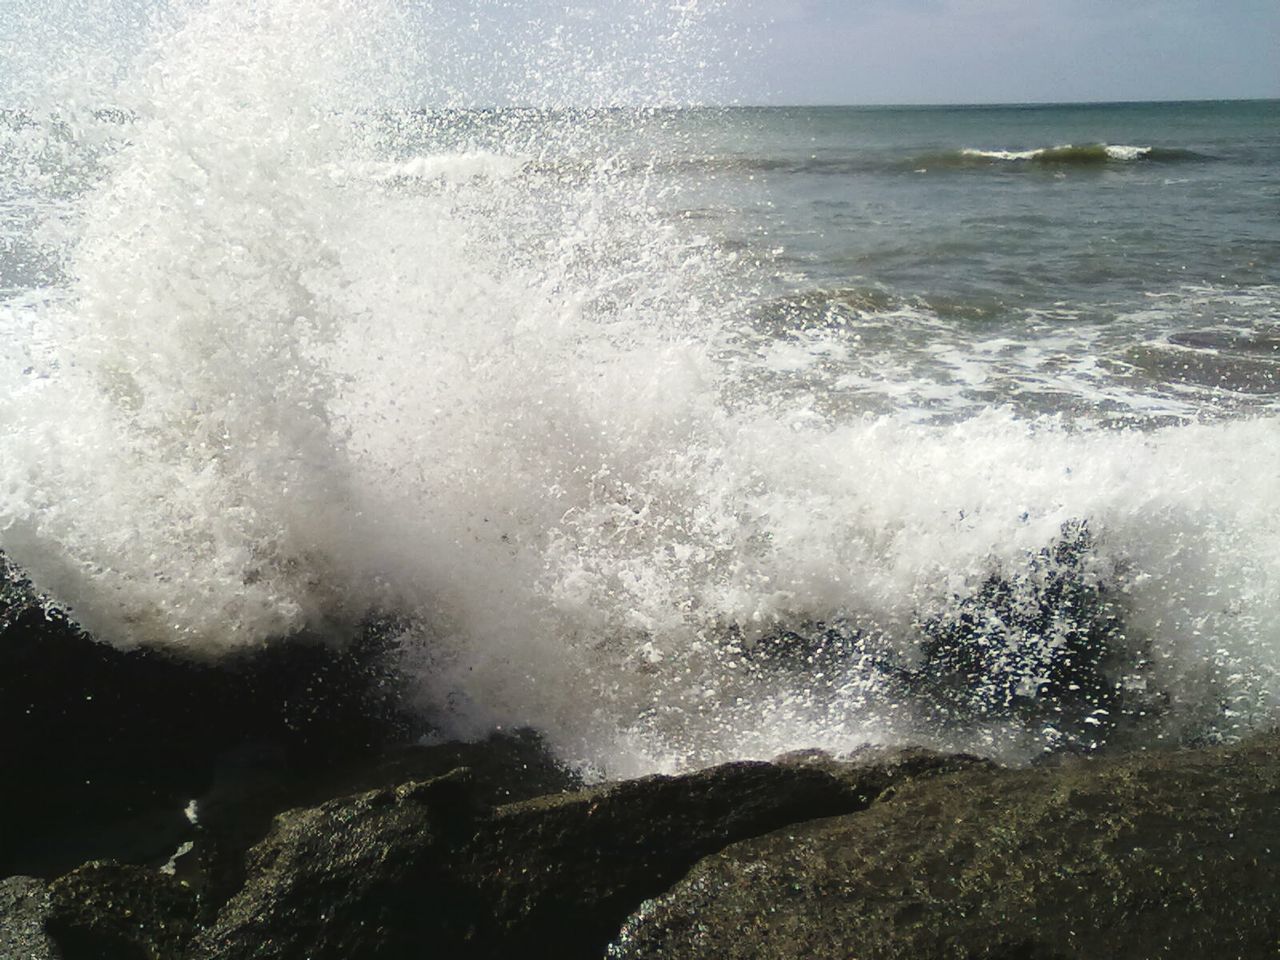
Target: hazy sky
column 776, row 51
column 960, row 51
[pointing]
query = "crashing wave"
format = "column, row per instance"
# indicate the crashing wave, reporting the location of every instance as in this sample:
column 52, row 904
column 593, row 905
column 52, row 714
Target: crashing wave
column 447, row 168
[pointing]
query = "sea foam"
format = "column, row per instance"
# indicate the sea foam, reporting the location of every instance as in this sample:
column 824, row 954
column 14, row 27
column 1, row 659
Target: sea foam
column 307, row 367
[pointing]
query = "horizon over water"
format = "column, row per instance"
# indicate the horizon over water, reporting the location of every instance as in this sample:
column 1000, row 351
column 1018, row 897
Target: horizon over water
column 678, row 433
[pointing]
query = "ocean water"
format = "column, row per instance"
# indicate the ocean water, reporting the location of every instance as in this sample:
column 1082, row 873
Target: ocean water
column 679, row 433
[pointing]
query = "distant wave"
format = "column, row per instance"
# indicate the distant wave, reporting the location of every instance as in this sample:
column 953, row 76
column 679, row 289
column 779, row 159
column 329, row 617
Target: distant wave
column 1082, row 155
column 1088, row 154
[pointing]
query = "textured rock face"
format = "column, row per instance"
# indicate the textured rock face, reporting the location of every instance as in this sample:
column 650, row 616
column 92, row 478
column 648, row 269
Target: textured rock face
column 380, row 875
column 24, row 907
column 1173, row 855
column 113, row 744
column 111, row 911
column 888, row 857
column 239, row 811
column 490, row 850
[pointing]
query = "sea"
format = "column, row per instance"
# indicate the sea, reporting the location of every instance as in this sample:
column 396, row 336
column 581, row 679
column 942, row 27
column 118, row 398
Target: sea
column 678, row 433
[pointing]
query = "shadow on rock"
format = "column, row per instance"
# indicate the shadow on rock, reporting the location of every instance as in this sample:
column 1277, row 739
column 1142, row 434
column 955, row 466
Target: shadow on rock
column 106, row 747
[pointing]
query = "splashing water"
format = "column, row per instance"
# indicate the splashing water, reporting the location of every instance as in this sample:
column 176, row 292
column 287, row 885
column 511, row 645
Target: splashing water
column 312, row 354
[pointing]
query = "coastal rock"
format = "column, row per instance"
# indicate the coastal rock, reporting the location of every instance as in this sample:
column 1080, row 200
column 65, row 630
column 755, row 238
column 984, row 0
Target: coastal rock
column 562, row 873
column 250, row 789
column 888, row 855
column 112, row 744
column 345, row 879
column 1045, row 645
column 24, row 907
column 383, row 874
column 1163, row 855
column 110, row 911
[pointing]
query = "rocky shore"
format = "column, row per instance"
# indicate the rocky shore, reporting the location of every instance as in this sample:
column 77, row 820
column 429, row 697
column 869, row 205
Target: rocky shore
column 280, row 807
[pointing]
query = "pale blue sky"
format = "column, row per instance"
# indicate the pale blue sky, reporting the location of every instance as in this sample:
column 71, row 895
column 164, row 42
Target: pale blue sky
column 779, row 51
column 946, row 51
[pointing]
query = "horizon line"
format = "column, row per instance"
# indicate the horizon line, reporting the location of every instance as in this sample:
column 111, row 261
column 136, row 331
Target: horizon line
column 886, row 105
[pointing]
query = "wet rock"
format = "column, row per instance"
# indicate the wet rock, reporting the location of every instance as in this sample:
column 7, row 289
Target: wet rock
column 561, row 874
column 1046, row 645
column 345, row 879
column 383, row 874
column 1039, row 647
column 110, row 911
column 1163, row 855
column 24, row 906
column 113, row 744
column 250, row 789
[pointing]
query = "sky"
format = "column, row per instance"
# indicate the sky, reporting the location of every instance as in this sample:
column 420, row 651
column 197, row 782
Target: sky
column 998, row 51
column 798, row 51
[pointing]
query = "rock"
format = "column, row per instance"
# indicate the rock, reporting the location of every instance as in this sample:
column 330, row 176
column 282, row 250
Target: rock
column 1039, row 646
column 1046, row 645
column 113, row 744
column 1163, row 855
column 892, row 855
column 382, row 875
column 24, row 905
column 350, row 878
column 110, row 911
column 249, row 791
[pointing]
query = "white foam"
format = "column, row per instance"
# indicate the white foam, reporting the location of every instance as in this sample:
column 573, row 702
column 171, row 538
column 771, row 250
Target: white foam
column 1127, row 153
column 1001, row 154
column 274, row 398
column 450, row 168
column 1118, row 152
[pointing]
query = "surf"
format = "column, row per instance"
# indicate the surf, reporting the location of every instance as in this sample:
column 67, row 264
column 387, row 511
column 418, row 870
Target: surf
column 315, row 356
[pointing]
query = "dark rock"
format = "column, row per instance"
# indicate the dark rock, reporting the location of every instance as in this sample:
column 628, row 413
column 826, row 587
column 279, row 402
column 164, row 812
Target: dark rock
column 249, row 791
column 1046, row 645
column 383, row 874
column 1041, row 646
column 110, row 911
column 350, row 878
column 24, row 906
column 1160, row 855
column 563, row 872
column 113, row 744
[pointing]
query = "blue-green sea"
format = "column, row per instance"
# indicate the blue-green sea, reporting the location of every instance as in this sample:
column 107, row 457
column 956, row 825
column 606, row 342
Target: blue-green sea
column 1115, row 261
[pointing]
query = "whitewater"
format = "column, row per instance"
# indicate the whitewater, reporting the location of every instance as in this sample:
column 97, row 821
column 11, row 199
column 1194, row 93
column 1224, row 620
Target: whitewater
column 309, row 341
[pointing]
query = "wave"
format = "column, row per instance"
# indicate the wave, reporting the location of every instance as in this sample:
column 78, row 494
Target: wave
column 526, row 416
column 873, row 162
column 1090, row 154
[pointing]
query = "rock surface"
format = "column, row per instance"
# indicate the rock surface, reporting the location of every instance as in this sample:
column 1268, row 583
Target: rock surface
column 425, row 863
column 490, row 850
column 249, row 792
column 889, row 855
column 111, row 911
column 24, row 908
column 113, row 744
column 1162, row 855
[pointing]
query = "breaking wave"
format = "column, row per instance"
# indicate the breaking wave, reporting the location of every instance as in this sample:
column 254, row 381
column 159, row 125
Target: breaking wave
column 302, row 366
